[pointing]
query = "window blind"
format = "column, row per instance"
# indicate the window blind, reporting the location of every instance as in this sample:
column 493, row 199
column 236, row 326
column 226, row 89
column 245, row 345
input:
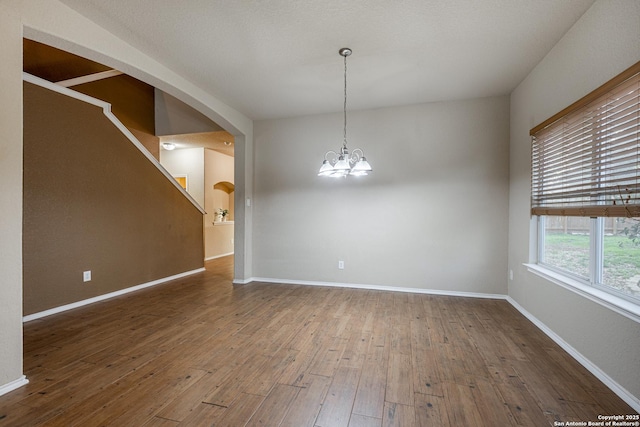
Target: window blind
column 586, row 159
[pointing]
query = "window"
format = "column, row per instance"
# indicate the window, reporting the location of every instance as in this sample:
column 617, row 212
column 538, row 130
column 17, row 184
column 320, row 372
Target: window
column 586, row 188
column 602, row 252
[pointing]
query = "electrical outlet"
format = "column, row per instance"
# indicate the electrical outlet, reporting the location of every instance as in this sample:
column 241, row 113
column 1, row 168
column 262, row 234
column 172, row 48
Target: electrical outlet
column 341, row 265
column 86, row 276
column 510, row 274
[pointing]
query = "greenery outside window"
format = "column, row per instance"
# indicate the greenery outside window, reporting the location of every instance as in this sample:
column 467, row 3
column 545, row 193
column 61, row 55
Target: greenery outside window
column 586, row 188
column 595, row 251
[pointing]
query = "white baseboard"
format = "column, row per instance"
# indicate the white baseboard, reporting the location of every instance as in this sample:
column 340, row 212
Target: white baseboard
column 107, row 296
column 623, row 393
column 6, row 388
column 373, row 287
column 218, row 256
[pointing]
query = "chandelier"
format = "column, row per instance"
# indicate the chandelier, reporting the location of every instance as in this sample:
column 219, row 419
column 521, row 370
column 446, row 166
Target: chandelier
column 344, row 163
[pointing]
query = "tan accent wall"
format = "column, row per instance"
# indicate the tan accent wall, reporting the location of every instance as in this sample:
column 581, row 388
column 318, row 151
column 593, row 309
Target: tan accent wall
column 92, row 201
column 132, row 102
column 150, row 142
column 56, row 65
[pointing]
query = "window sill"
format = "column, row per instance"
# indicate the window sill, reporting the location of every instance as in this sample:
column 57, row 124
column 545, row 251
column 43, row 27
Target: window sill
column 617, row 304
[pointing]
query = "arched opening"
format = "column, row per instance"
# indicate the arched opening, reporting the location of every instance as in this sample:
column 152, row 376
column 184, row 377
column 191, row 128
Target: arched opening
column 228, row 202
column 223, row 196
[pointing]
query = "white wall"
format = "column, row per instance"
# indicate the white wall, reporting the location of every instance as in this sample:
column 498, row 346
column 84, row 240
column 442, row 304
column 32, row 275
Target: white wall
column 433, row 215
column 189, row 162
column 604, row 42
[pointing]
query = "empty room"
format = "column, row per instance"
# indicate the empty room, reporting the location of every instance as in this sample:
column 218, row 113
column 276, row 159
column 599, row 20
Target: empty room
column 298, row 213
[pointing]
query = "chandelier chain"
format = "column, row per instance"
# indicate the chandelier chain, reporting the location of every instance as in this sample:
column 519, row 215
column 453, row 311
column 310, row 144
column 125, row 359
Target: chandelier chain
column 345, row 102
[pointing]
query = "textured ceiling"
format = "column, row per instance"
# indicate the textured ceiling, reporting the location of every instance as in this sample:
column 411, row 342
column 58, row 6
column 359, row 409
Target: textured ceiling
column 272, row 59
column 220, row 141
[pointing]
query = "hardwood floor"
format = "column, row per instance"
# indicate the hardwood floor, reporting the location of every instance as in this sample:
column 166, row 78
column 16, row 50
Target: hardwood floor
column 200, row 351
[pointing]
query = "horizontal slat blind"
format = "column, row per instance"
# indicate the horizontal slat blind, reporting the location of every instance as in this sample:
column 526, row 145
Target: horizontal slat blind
column 587, row 161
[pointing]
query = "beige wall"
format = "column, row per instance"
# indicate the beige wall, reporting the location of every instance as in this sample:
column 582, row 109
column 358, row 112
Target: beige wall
column 218, row 168
column 218, row 238
column 204, row 168
column 189, row 162
column 432, row 215
column 604, row 42
column 93, row 201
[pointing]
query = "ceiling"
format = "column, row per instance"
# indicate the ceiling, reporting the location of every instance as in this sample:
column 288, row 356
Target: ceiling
column 220, row 141
column 274, row 59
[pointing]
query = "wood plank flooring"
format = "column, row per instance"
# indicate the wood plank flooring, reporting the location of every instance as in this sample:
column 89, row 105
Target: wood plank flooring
column 200, row 351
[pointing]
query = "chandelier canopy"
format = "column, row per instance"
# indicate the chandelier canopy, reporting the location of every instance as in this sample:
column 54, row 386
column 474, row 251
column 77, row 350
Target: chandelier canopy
column 343, row 162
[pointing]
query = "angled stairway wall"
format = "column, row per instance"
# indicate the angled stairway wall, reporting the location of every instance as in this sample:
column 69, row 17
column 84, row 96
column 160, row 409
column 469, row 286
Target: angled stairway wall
column 94, row 201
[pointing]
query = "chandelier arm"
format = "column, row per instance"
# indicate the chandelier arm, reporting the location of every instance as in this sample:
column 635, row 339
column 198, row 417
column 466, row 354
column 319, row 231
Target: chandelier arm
column 353, row 159
column 357, row 154
column 334, row 156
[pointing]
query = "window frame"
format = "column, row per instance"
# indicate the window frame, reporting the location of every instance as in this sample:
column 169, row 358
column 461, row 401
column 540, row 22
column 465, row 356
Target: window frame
column 593, row 286
column 596, row 259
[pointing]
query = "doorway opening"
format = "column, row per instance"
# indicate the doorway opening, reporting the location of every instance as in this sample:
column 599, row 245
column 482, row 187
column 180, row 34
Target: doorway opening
column 146, row 111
